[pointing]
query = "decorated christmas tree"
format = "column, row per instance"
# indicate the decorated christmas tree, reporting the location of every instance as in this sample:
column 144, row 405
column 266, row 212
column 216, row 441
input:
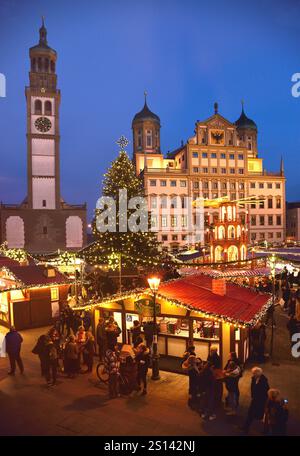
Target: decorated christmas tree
column 122, row 230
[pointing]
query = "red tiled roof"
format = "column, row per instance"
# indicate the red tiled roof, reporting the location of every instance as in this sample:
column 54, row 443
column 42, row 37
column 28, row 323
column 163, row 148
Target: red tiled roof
column 240, row 304
column 35, row 275
column 6, row 261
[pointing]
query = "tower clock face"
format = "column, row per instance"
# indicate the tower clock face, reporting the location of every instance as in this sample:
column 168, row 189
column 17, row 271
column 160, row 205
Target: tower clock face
column 43, row 124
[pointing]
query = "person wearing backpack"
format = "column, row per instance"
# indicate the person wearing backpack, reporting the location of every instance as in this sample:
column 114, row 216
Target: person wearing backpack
column 51, row 362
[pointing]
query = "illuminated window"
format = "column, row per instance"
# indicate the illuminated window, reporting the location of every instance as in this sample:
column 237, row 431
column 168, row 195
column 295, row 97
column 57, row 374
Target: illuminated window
column 54, row 294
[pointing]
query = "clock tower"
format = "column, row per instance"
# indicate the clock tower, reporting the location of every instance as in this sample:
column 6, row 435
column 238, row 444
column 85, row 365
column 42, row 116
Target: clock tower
column 43, row 100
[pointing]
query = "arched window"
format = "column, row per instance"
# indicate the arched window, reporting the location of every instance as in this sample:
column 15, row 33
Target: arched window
column 38, row 107
column 33, row 62
column 15, row 233
column 48, row 108
column 52, row 65
column 47, row 65
column 221, row 234
column 231, row 232
column 149, row 138
column 139, row 139
column 40, row 64
column 229, row 213
column 238, row 231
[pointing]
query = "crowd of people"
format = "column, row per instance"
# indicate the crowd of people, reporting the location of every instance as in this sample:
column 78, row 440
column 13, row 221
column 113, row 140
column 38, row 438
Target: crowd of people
column 205, row 391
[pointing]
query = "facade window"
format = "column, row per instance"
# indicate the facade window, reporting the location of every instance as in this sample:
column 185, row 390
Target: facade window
column 249, row 146
column 174, row 237
column 153, row 202
column 174, row 202
column 270, row 185
column 232, row 171
column 48, row 108
column 232, row 186
column 261, row 205
column 149, row 138
column 270, row 235
column 195, row 154
column 205, row 185
column 262, row 236
column 223, row 170
column 270, row 203
column 184, row 237
column 204, row 154
column 224, row 186
column 195, row 184
column 173, row 183
column 231, row 156
column 278, row 185
column 163, row 183
column 164, row 237
column 44, row 203
column 164, row 221
column 45, row 230
column 205, row 195
column 261, row 185
column 215, row 195
column 38, row 107
column 233, row 196
column 252, row 184
column 241, row 157
column 278, row 220
column 262, row 220
column 242, row 195
column 215, row 185
column 205, row 170
column 173, row 221
column 270, row 220
column 154, row 221
column 241, row 186
column 241, row 171
column 278, row 203
column 253, row 206
column 139, row 139
column 253, row 236
column 152, row 182
column 278, row 235
column 223, row 156
column 182, row 183
column 163, row 202
column 195, row 169
column 213, row 155
column 184, row 221
column 214, row 170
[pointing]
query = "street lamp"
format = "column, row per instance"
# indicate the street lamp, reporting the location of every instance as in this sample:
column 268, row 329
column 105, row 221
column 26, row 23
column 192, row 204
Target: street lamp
column 272, row 261
column 154, row 284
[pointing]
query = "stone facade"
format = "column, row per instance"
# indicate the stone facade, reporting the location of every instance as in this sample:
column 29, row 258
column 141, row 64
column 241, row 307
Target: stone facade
column 221, row 159
column 43, row 222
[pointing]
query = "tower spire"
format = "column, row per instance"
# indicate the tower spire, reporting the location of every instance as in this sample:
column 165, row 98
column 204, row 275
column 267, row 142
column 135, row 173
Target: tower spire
column 242, row 103
column 281, row 166
column 145, row 95
column 216, row 107
column 43, row 33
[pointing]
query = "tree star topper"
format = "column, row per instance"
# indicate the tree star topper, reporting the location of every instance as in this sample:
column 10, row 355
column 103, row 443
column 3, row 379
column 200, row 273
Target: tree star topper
column 122, row 142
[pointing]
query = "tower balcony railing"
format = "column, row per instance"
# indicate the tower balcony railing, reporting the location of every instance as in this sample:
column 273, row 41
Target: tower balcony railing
column 169, row 170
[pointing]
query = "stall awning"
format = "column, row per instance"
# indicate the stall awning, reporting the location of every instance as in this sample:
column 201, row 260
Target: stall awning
column 35, row 276
column 240, row 305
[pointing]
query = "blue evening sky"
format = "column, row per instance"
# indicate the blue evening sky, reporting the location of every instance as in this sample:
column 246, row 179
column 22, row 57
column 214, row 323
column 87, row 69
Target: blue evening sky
column 186, row 54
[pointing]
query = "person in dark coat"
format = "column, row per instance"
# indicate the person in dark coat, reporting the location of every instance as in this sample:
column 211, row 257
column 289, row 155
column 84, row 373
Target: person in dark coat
column 259, row 396
column 276, row 414
column 71, row 353
column 214, row 359
column 142, row 360
column 88, row 352
column 112, row 332
column 51, row 362
column 40, row 349
column 193, row 366
column 136, row 331
column 148, row 328
column 13, row 342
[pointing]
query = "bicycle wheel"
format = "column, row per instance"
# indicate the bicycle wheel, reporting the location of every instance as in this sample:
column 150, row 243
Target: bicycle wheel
column 101, row 373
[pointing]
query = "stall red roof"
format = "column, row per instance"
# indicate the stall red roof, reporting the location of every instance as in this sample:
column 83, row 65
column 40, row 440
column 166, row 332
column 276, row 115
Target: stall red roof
column 35, row 275
column 239, row 305
column 6, row 261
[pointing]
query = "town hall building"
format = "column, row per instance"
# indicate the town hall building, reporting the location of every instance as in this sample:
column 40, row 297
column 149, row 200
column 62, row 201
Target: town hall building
column 43, row 222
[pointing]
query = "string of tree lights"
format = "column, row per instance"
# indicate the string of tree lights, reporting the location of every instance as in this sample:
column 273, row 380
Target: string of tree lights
column 136, row 248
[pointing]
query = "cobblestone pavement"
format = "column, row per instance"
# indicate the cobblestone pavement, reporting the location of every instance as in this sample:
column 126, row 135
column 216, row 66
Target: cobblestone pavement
column 81, row 406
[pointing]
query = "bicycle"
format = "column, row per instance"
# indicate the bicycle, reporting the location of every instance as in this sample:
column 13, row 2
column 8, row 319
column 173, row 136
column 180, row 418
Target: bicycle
column 102, row 374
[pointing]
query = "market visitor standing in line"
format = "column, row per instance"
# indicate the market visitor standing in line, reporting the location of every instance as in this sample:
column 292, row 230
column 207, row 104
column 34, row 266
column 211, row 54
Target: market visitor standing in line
column 259, row 396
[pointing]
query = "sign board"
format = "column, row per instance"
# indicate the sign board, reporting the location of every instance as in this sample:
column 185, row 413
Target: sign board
column 145, row 307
